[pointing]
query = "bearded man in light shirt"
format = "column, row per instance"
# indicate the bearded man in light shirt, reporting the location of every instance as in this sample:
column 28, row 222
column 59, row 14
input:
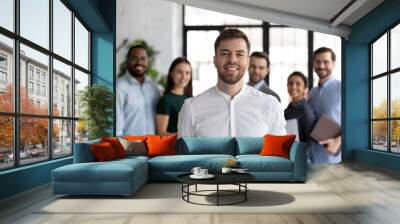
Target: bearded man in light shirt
column 231, row 108
column 137, row 96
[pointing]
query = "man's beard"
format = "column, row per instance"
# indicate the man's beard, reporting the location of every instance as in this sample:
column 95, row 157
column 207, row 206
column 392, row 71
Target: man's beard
column 231, row 79
column 135, row 74
column 323, row 73
column 255, row 80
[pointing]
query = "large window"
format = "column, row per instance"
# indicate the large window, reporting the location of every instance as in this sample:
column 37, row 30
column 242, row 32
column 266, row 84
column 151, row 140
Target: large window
column 44, row 64
column 290, row 49
column 385, row 95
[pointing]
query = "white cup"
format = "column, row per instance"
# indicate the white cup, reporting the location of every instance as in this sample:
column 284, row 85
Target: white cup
column 226, row 170
column 203, row 172
column 196, row 170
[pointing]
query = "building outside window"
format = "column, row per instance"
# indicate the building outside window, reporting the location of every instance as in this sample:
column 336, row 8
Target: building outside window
column 37, row 75
column 3, row 78
column 385, row 95
column 3, row 72
column 38, row 89
column 3, row 61
column 30, row 72
column 44, row 77
column 43, row 90
column 3, row 81
column 30, row 87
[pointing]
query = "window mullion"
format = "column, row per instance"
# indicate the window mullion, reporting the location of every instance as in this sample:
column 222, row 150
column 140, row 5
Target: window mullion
column 16, row 84
column 310, row 59
column 73, row 83
column 50, row 81
column 389, row 101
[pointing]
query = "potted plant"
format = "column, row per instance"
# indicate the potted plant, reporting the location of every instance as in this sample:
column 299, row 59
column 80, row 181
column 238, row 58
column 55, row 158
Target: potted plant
column 96, row 102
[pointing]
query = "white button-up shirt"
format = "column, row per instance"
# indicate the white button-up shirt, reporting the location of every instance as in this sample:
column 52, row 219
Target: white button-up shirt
column 250, row 113
column 136, row 106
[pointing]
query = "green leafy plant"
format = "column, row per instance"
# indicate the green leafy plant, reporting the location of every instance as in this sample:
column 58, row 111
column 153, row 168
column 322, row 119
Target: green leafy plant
column 96, row 102
column 151, row 71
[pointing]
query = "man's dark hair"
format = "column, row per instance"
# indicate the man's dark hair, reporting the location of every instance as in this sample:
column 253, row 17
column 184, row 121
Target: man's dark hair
column 300, row 75
column 135, row 47
column 188, row 90
column 231, row 33
column 324, row 50
column 259, row 54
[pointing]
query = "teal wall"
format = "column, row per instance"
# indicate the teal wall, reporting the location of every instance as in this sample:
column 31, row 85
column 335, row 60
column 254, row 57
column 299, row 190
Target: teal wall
column 103, row 53
column 356, row 85
column 100, row 17
column 24, row 178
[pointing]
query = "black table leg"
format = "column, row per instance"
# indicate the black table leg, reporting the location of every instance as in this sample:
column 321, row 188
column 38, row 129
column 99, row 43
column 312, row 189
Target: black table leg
column 217, row 194
column 245, row 193
column 182, row 190
column 189, row 192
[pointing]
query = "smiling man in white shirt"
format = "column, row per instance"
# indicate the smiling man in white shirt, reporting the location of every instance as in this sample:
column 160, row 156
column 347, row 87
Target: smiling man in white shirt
column 231, row 108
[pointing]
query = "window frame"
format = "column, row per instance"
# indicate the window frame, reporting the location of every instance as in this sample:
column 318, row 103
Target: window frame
column 16, row 115
column 388, row 74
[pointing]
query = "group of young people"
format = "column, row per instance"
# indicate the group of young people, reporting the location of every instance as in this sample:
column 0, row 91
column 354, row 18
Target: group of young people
column 231, row 107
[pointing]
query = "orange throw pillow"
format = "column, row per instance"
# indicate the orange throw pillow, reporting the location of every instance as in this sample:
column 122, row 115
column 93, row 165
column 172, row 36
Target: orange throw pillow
column 136, row 137
column 103, row 151
column 161, row 145
column 116, row 145
column 277, row 145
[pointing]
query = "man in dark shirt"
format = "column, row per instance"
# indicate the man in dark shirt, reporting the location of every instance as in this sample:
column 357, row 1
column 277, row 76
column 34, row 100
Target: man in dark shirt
column 258, row 71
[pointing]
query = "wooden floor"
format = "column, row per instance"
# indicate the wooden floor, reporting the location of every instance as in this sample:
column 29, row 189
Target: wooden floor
column 377, row 188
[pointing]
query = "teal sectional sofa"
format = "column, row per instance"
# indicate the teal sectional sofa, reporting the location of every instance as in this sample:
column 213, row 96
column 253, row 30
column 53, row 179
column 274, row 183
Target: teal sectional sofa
column 125, row 176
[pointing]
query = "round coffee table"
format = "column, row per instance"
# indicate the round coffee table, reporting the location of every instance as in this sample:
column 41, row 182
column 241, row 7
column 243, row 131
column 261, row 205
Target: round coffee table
column 238, row 179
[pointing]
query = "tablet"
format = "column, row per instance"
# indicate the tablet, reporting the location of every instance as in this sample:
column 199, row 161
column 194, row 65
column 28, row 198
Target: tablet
column 325, row 128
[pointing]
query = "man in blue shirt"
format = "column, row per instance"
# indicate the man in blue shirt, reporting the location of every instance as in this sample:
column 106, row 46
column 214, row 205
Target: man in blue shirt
column 326, row 99
column 137, row 96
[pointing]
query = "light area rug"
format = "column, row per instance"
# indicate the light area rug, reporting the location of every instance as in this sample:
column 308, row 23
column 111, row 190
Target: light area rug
column 167, row 198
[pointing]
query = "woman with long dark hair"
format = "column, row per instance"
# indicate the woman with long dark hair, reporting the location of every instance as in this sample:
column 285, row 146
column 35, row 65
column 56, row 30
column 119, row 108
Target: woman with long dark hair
column 179, row 88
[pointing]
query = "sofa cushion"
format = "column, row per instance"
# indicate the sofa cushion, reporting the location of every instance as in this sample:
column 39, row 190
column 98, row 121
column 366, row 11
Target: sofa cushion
column 112, row 171
column 257, row 163
column 161, row 145
column 249, row 145
column 185, row 163
column 136, row 137
column 132, row 158
column 206, row 145
column 134, row 147
column 117, row 146
column 83, row 152
column 277, row 145
column 103, row 152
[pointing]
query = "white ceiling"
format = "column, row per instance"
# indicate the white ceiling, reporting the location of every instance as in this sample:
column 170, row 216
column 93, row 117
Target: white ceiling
column 322, row 9
column 316, row 15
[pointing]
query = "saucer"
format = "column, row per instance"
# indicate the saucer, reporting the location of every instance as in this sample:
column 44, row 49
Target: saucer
column 208, row 176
